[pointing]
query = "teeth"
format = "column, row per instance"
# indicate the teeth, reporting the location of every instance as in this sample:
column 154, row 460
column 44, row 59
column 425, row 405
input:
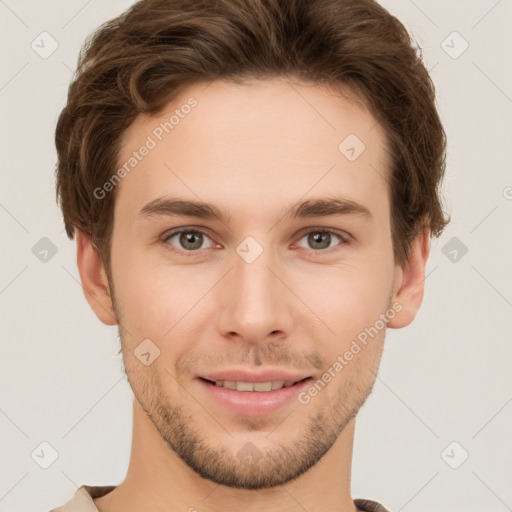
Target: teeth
column 262, row 386
column 244, row 386
column 254, row 386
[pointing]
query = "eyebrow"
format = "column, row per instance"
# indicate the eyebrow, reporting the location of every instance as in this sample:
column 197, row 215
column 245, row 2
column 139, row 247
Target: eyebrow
column 320, row 207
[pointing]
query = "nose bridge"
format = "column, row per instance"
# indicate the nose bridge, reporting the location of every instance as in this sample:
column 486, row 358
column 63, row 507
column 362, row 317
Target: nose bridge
column 254, row 302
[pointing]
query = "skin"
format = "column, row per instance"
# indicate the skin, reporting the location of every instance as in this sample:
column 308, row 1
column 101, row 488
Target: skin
column 254, row 150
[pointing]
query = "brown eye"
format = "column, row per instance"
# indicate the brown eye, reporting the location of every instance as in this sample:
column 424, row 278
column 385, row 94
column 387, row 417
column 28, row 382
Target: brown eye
column 321, row 239
column 187, row 240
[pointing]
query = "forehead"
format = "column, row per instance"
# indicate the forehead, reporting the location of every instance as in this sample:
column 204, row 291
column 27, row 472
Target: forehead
column 234, row 142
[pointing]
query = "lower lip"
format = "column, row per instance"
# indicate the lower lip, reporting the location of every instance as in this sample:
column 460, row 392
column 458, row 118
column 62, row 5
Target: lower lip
column 253, row 403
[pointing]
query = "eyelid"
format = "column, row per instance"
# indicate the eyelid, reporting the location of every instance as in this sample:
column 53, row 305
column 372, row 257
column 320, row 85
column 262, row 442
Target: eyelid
column 346, row 237
column 182, row 229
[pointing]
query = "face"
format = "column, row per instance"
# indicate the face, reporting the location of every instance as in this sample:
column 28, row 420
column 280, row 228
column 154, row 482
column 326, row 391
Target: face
column 259, row 289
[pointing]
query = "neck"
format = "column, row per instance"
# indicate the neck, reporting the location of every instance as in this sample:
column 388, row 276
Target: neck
column 158, row 480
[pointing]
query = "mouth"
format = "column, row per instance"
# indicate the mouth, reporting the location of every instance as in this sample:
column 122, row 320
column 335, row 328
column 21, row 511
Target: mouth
column 259, row 387
column 249, row 398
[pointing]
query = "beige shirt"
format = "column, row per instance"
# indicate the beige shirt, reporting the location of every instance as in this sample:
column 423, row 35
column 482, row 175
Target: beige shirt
column 82, row 501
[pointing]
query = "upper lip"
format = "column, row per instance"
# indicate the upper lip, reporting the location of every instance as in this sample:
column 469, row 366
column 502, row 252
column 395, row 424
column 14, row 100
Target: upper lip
column 268, row 375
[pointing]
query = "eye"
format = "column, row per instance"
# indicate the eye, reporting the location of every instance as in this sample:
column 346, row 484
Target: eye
column 320, row 239
column 192, row 240
column 189, row 240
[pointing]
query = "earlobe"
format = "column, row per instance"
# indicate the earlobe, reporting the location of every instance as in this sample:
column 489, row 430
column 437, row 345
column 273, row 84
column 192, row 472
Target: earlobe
column 409, row 282
column 94, row 279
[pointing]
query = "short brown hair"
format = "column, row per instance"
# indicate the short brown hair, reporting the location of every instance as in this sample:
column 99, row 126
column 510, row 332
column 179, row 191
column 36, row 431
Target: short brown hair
column 136, row 63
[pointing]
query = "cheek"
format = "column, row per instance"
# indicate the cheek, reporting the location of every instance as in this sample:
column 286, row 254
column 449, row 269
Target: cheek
column 159, row 302
column 152, row 306
column 146, row 297
column 347, row 297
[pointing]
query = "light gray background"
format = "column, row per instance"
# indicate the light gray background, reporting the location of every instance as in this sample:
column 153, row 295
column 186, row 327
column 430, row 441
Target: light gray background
column 445, row 378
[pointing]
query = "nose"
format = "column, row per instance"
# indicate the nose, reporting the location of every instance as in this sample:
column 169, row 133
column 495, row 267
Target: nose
column 254, row 302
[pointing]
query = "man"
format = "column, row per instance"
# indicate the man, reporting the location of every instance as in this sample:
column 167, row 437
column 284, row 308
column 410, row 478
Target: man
column 253, row 186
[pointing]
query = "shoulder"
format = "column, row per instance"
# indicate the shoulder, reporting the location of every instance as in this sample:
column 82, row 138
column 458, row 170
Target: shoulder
column 369, row 506
column 82, row 500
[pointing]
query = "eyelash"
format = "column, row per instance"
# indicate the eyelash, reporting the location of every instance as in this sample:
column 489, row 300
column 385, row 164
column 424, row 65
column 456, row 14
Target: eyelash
column 344, row 237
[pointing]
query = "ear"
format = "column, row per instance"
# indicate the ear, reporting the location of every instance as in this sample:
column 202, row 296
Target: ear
column 409, row 282
column 94, row 279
